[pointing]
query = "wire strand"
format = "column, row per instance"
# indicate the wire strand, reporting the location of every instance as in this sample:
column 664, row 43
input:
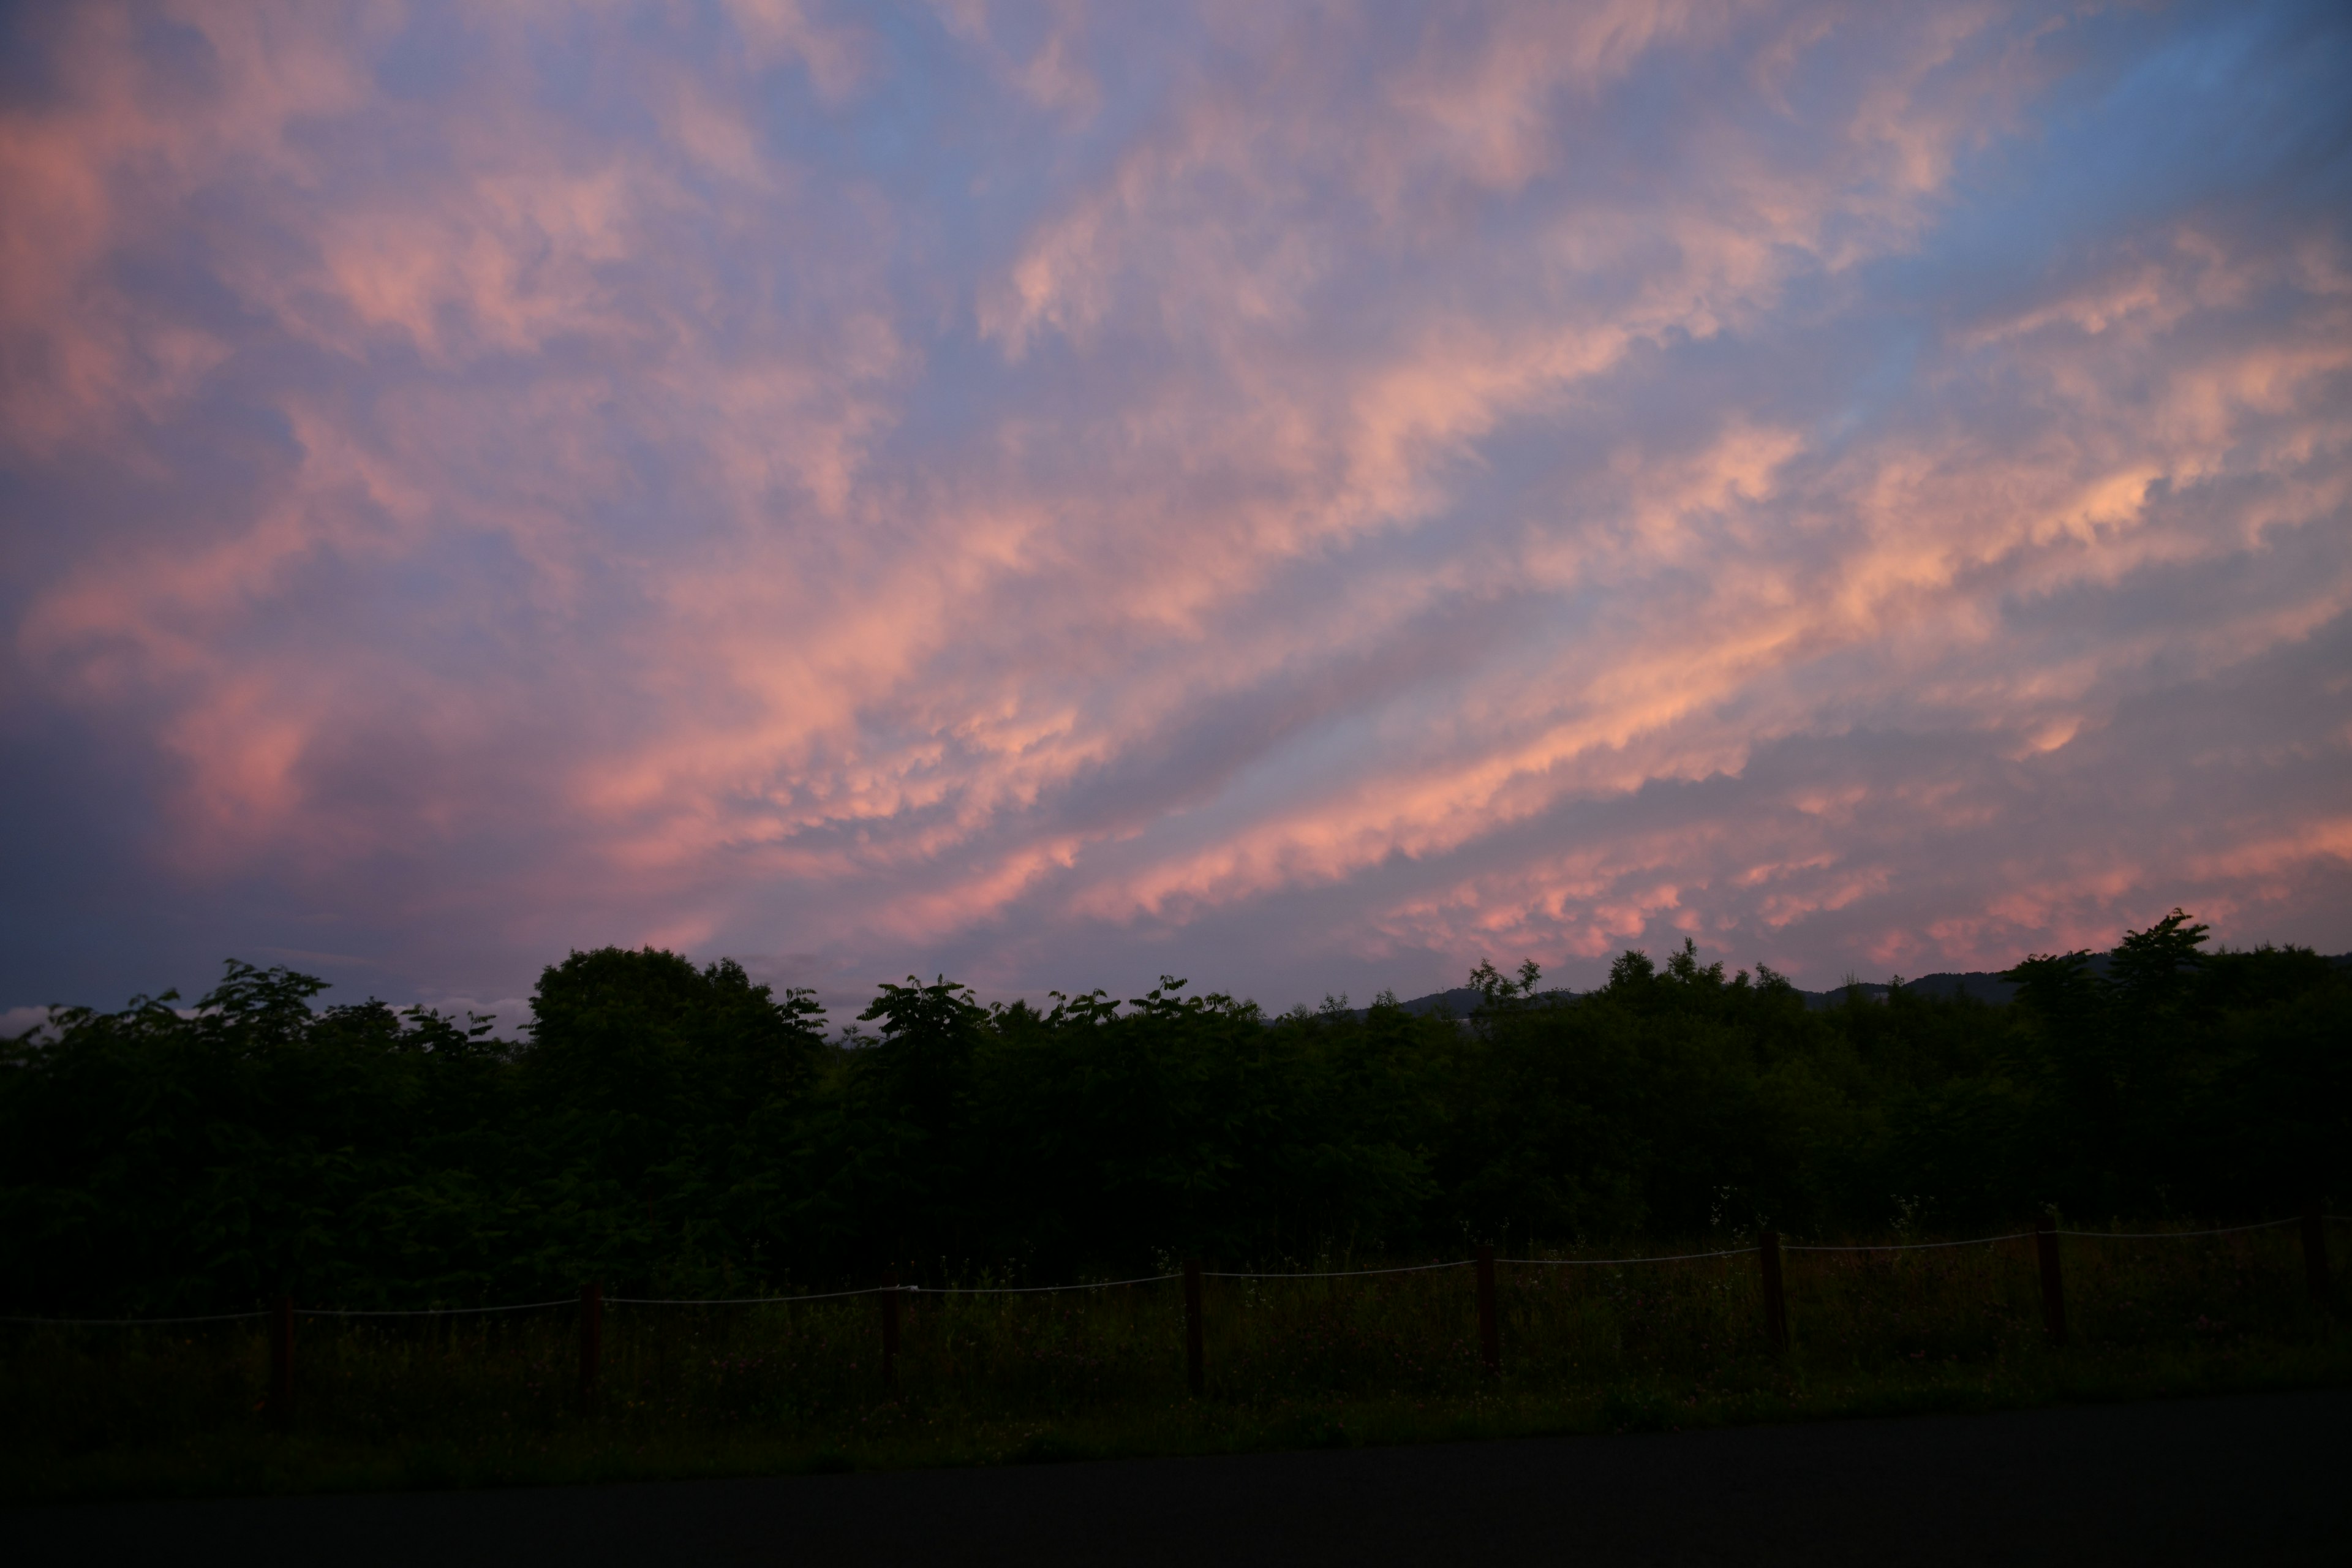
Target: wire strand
column 745, row 1300
column 1034, row 1289
column 1336, row 1273
column 1619, row 1262
column 2170, row 1234
column 1900, row 1245
column 1154, row 1278
column 138, row 1322
column 427, row 1312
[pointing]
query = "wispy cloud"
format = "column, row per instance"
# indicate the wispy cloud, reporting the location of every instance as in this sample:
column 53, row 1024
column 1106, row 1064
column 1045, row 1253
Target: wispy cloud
column 1306, row 495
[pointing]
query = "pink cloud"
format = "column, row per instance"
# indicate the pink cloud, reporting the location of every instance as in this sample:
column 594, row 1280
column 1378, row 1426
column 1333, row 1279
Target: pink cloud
column 1350, row 493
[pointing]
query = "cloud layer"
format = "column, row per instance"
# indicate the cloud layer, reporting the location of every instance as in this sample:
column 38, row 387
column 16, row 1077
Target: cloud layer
column 1303, row 497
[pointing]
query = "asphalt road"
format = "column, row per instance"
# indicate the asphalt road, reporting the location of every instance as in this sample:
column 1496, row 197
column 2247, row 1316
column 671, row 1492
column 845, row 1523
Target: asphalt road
column 2236, row 1481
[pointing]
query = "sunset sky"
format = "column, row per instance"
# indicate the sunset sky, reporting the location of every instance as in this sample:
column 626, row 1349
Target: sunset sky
column 1303, row 496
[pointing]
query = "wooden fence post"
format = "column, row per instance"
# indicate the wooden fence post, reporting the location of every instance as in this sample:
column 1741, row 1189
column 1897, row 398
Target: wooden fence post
column 1193, row 1350
column 890, row 1329
column 591, row 1342
column 281, row 1363
column 1490, row 1335
column 2314, row 1251
column 1775, row 1305
column 2053, row 1286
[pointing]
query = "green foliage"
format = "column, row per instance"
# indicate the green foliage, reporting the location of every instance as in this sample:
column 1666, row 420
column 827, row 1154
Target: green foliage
column 678, row 1131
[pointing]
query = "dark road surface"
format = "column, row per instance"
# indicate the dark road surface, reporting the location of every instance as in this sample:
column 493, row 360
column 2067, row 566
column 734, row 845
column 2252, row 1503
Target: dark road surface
column 2251, row 1480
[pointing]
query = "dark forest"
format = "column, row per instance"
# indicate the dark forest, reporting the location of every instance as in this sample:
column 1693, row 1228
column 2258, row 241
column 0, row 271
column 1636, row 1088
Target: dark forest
column 671, row 1128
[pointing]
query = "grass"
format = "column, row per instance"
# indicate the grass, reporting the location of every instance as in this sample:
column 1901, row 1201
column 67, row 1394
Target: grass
column 494, row 1400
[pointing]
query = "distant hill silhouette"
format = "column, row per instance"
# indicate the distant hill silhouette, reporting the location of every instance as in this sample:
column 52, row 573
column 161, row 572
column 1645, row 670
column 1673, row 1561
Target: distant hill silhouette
column 1984, row 984
column 1461, row 1001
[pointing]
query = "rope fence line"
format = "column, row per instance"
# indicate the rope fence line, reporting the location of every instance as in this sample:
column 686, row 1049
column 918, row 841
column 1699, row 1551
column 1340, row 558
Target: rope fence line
column 895, row 1289
column 890, row 1294
column 882, row 1291
column 2172, row 1235
column 425, row 1312
column 138, row 1322
column 1338, row 1273
column 1615, row 1262
column 1910, row 1246
column 1034, row 1289
column 748, row 1301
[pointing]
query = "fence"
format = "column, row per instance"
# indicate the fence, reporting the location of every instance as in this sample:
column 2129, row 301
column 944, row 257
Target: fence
column 1769, row 1250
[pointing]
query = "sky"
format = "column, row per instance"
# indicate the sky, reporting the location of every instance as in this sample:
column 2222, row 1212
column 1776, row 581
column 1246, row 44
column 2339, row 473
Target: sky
column 1298, row 497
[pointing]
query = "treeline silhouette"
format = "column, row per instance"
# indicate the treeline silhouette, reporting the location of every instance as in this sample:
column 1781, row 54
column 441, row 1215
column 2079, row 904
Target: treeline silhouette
column 682, row 1130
